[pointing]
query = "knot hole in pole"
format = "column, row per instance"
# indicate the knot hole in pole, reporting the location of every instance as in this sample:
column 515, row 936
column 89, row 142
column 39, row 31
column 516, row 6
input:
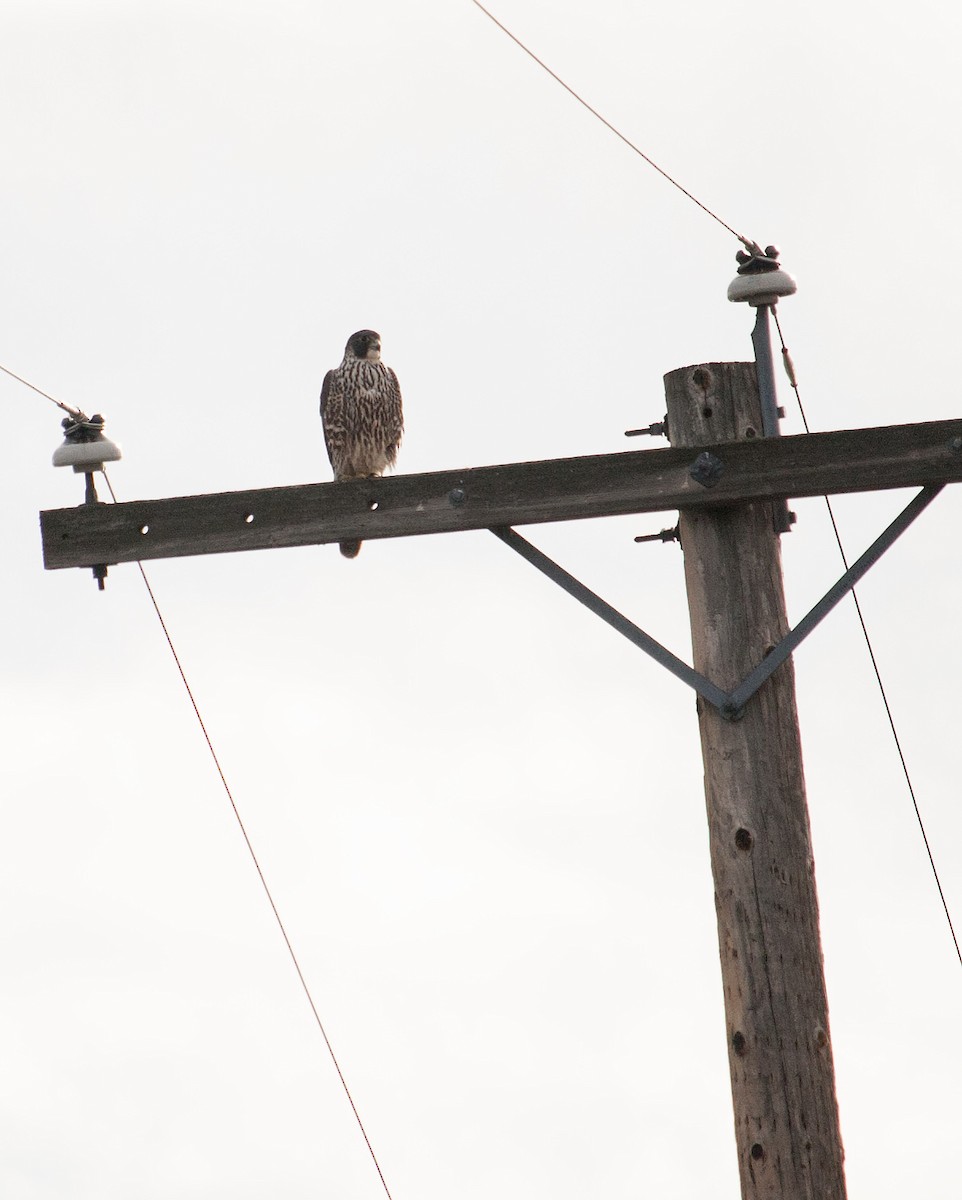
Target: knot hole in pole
column 704, row 381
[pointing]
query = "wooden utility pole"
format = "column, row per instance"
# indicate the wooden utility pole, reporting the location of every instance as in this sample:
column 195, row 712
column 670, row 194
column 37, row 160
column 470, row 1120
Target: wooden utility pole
column 779, row 1048
column 727, row 480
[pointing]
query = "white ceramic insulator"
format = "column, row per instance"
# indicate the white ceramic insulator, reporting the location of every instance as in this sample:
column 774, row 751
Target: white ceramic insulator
column 763, row 287
column 87, row 456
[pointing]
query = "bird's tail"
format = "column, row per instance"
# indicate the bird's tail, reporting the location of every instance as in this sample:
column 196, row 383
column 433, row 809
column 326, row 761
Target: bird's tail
column 350, row 549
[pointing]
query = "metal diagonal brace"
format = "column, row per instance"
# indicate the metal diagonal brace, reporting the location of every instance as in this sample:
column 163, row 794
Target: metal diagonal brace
column 729, row 704
column 772, row 661
column 704, row 687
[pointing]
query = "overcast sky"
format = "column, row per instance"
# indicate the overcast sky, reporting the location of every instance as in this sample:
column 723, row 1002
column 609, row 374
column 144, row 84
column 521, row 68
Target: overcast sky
column 480, row 811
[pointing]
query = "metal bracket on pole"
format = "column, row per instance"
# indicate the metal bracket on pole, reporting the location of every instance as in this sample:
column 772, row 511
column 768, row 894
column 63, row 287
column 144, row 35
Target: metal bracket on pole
column 704, row 687
column 760, row 282
column 731, row 705
column 772, row 661
column 764, row 364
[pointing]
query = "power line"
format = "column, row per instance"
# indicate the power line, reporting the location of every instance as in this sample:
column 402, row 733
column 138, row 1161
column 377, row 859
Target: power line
column 790, row 368
column 257, row 865
column 210, row 746
column 74, row 412
column 747, row 242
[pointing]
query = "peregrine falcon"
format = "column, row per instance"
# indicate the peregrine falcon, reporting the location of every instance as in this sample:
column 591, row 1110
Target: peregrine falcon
column 361, row 414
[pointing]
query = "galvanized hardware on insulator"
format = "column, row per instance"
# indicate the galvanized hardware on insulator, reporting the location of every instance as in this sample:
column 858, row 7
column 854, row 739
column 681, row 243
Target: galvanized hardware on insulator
column 761, row 279
column 656, row 429
column 86, row 450
column 84, row 446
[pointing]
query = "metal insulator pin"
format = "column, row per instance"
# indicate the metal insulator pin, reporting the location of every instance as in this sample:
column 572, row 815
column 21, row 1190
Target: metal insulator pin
column 656, row 429
column 666, row 535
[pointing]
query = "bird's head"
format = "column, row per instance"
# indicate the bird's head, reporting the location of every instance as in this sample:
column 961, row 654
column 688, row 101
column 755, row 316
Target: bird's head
column 364, row 344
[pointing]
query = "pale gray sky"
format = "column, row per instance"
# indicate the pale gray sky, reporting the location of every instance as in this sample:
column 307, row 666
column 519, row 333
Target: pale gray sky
column 480, row 811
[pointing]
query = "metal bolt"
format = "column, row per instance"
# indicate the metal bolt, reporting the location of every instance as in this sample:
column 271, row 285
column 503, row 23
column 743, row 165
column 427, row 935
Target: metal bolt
column 457, row 496
column 956, row 445
column 666, row 535
column 656, row 429
column 707, row 469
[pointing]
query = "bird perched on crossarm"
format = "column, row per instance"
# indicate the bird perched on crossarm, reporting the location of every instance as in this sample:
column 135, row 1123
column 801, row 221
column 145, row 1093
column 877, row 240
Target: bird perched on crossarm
column 361, row 414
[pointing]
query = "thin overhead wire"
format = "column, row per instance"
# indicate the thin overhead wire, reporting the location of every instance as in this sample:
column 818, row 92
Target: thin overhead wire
column 230, row 796
column 617, row 132
column 257, row 865
column 74, row 412
column 793, row 380
column 790, row 370
column 789, row 366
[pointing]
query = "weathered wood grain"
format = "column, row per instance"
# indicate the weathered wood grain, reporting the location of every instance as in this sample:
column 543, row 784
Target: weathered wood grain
column 779, row 1046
